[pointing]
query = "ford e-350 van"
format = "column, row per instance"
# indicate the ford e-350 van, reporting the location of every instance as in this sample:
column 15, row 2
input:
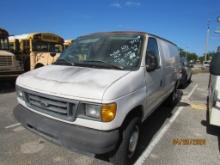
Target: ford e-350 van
column 96, row 95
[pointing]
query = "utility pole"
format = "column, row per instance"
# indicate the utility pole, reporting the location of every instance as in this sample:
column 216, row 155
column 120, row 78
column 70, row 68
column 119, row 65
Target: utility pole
column 187, row 52
column 218, row 31
column 218, row 20
column 207, row 40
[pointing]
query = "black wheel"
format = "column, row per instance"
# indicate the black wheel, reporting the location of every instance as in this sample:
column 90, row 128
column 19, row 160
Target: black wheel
column 128, row 145
column 207, row 112
column 185, row 81
column 173, row 98
column 38, row 66
column 190, row 79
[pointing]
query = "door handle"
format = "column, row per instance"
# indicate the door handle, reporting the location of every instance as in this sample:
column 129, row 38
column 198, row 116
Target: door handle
column 161, row 83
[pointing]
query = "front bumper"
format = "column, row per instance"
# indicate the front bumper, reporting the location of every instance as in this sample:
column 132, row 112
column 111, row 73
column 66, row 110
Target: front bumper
column 71, row 136
column 215, row 116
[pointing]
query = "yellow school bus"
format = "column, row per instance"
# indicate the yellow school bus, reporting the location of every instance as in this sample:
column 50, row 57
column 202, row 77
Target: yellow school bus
column 36, row 49
column 10, row 67
column 67, row 43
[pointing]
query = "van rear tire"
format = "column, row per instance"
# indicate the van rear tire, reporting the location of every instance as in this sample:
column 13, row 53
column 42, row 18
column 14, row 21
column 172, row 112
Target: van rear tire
column 190, row 79
column 129, row 142
column 173, row 98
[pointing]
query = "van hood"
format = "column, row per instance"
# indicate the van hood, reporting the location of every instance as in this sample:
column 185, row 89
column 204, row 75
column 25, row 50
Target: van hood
column 5, row 53
column 70, row 81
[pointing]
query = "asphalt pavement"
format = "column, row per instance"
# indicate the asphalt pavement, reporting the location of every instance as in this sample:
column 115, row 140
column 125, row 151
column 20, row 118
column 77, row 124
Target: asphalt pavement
column 174, row 136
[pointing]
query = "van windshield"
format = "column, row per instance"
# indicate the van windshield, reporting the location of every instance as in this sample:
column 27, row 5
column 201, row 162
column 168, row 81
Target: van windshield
column 115, row 51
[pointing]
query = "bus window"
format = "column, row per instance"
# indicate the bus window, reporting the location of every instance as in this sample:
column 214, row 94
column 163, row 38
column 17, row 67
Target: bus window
column 58, row 48
column 26, row 46
column 11, row 47
column 42, row 46
column 3, row 44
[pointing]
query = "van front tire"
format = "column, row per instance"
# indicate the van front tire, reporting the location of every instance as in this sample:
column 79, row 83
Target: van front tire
column 126, row 149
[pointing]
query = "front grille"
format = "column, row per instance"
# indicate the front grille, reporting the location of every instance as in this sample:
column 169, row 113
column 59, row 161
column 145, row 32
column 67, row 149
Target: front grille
column 5, row 60
column 54, row 106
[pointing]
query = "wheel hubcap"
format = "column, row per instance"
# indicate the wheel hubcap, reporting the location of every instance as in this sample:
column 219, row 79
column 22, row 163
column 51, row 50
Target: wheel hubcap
column 133, row 141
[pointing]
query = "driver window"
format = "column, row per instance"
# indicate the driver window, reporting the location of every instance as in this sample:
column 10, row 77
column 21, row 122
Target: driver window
column 153, row 48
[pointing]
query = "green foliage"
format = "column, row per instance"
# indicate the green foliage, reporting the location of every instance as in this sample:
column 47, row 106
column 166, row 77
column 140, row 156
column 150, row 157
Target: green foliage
column 209, row 56
column 194, row 57
column 189, row 55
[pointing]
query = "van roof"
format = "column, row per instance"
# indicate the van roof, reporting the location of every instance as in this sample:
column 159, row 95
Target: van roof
column 133, row 32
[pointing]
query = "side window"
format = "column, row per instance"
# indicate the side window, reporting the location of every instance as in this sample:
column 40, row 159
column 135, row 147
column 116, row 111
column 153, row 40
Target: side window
column 26, row 46
column 152, row 48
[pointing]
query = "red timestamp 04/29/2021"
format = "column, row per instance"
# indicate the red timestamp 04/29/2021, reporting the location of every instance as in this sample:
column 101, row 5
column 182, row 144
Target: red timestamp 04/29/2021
column 189, row 141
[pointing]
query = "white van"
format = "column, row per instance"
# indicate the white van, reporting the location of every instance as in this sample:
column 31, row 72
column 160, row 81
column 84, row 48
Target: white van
column 99, row 91
column 214, row 91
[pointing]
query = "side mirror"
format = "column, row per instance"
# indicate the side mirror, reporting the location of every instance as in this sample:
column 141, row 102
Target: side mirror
column 151, row 62
column 214, row 65
column 185, row 64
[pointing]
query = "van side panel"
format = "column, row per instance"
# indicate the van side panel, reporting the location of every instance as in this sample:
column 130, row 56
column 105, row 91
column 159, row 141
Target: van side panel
column 214, row 96
column 171, row 61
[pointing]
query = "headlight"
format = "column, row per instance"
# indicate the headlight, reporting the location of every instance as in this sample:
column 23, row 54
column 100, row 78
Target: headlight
column 100, row 112
column 20, row 93
column 92, row 110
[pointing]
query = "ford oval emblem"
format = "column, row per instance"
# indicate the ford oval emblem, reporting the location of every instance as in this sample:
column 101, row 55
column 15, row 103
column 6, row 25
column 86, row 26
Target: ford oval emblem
column 43, row 103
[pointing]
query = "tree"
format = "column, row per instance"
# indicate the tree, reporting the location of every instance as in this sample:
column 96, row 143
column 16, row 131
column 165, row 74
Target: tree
column 189, row 55
column 209, row 56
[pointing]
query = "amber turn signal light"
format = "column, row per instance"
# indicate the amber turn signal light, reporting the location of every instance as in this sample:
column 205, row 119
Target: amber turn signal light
column 108, row 112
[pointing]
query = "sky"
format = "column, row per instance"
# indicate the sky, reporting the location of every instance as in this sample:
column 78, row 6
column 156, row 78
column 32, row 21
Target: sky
column 183, row 22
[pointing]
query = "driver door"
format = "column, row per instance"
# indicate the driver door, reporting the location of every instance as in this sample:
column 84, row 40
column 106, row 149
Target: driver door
column 153, row 78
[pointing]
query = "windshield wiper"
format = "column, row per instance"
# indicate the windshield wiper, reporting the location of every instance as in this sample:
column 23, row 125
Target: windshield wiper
column 105, row 64
column 63, row 62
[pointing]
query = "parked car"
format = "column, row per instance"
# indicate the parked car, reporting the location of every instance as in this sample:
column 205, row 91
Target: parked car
column 206, row 64
column 186, row 72
column 214, row 92
column 99, row 91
